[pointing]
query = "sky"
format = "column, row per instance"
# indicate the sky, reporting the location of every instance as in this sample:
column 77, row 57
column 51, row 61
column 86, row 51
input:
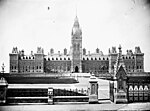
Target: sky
column 27, row 24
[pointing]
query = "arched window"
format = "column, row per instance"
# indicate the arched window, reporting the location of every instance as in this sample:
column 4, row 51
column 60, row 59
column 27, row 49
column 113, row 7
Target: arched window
column 140, row 67
column 132, row 57
column 29, row 57
column 107, row 58
column 56, row 58
column 99, row 58
column 48, row 59
column 103, row 58
column 83, row 58
column 129, row 57
column 87, row 58
column 68, row 58
column 26, row 57
column 112, row 67
column 126, row 57
column 60, row 58
column 23, row 57
column 64, row 58
column 95, row 58
column 91, row 58
column 123, row 57
column 52, row 58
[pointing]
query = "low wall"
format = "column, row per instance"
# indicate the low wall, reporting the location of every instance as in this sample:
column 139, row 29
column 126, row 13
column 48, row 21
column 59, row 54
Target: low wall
column 40, row 96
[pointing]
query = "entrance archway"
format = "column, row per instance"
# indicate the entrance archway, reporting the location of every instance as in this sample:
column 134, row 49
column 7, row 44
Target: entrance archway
column 76, row 69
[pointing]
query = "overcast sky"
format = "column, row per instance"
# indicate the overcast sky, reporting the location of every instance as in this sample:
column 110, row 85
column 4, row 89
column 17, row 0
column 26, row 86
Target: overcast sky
column 105, row 23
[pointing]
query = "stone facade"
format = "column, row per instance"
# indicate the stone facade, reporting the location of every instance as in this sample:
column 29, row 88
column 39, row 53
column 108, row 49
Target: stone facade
column 76, row 60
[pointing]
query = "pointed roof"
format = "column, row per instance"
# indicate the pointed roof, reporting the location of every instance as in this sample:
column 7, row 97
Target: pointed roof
column 76, row 22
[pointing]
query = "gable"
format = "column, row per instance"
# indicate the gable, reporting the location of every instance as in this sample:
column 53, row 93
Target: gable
column 121, row 73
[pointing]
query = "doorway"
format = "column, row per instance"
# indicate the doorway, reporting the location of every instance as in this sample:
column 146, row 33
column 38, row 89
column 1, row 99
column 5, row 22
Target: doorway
column 76, row 69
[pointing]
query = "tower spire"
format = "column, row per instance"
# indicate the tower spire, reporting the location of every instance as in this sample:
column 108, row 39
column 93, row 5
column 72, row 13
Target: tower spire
column 76, row 8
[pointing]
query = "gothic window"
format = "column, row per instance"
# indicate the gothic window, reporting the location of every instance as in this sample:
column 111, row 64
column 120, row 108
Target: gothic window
column 93, row 89
column 74, row 47
column 26, row 57
column 112, row 67
column 120, row 83
column 68, row 68
column 29, row 57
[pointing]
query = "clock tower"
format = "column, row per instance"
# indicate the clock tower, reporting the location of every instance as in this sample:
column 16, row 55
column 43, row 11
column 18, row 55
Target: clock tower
column 76, row 42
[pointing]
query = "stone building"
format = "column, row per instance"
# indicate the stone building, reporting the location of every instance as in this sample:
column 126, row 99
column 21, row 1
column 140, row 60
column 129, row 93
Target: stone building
column 76, row 60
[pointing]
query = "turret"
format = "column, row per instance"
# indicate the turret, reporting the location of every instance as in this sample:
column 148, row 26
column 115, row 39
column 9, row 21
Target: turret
column 139, row 60
column 39, row 60
column 112, row 59
column 14, row 57
column 84, row 51
column 97, row 50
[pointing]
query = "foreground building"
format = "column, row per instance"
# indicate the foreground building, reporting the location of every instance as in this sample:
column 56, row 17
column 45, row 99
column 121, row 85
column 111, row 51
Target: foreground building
column 76, row 60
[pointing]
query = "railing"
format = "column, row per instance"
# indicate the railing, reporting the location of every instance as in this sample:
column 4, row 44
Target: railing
column 40, row 95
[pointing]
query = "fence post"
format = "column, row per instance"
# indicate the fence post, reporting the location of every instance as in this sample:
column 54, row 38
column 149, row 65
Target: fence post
column 93, row 89
column 50, row 95
column 3, row 90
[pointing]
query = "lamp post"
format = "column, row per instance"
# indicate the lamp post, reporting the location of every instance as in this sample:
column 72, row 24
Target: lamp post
column 3, row 66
